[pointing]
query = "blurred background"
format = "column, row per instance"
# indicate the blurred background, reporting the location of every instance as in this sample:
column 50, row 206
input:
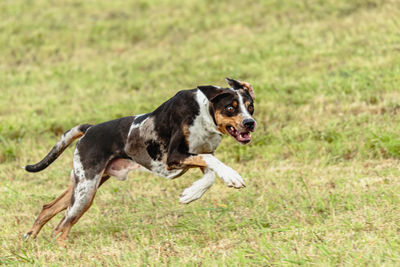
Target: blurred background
column 322, row 170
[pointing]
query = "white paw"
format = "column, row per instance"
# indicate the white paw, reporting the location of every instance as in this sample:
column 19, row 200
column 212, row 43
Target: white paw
column 191, row 193
column 27, row 235
column 231, row 178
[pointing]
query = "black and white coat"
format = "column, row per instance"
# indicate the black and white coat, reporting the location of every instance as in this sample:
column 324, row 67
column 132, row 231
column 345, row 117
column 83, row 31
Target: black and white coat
column 182, row 133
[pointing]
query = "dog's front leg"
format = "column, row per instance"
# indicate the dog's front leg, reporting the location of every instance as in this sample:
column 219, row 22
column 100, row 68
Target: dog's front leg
column 227, row 174
column 198, row 188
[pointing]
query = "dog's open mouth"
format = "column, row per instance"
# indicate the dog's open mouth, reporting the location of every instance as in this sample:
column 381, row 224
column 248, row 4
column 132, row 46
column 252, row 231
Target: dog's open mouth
column 242, row 137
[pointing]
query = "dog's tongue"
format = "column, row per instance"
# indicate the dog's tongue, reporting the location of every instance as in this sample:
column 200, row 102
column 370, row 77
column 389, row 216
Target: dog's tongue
column 244, row 137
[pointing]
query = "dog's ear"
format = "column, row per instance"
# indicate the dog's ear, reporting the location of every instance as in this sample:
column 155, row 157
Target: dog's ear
column 211, row 91
column 249, row 88
column 241, row 85
column 233, row 83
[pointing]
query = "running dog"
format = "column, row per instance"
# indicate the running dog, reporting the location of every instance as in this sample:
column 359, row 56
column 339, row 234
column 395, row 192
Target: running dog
column 182, row 133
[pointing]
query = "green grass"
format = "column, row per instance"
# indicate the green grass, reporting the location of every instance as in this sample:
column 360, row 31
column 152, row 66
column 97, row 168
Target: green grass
column 322, row 172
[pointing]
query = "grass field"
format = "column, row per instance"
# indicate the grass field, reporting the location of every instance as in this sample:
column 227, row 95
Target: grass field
column 322, row 172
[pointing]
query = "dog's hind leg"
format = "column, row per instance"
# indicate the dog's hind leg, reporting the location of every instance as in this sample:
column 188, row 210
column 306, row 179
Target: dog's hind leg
column 82, row 198
column 49, row 211
column 80, row 203
column 53, row 208
column 198, row 188
column 87, row 180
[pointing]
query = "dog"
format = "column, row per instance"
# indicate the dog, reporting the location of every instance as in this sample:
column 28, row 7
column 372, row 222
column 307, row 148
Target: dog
column 182, row 133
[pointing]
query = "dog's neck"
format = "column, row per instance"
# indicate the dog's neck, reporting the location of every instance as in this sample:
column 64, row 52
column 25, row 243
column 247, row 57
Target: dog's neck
column 204, row 135
column 207, row 119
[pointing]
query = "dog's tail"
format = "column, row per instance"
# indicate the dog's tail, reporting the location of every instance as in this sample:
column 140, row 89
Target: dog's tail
column 66, row 139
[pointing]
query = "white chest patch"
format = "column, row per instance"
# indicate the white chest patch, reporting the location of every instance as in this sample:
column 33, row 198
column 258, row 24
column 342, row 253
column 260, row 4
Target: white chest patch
column 204, row 136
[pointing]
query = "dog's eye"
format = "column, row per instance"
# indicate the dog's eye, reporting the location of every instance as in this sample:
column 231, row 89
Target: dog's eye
column 250, row 108
column 230, row 108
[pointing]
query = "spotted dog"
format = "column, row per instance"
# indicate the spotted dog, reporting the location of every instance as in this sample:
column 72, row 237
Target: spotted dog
column 182, row 133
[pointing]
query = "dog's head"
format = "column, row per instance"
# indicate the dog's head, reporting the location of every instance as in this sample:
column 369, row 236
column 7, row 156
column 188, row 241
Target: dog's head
column 232, row 109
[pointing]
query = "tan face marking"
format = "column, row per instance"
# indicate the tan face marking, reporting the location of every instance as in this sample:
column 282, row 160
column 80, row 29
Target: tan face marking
column 224, row 121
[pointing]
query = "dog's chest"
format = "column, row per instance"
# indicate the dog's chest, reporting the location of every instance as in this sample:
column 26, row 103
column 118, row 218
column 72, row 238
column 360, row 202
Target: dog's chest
column 203, row 137
column 201, row 141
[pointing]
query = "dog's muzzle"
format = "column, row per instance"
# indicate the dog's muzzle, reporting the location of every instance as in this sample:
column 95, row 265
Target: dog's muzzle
column 250, row 124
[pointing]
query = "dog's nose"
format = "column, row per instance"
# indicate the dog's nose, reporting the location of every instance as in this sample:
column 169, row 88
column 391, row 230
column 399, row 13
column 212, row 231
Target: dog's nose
column 250, row 124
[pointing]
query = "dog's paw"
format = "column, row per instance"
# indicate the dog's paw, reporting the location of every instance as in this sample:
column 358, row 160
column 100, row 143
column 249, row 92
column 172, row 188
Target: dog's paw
column 232, row 178
column 191, row 194
column 27, row 235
